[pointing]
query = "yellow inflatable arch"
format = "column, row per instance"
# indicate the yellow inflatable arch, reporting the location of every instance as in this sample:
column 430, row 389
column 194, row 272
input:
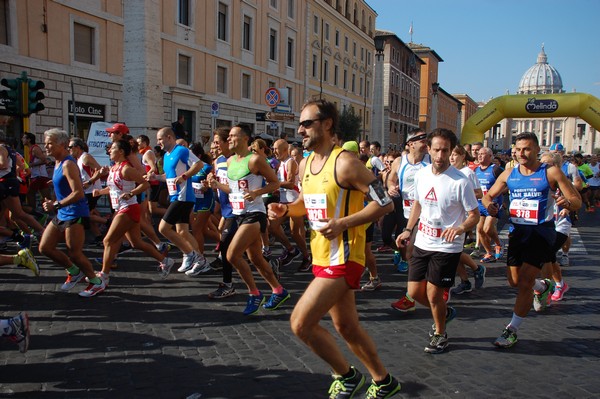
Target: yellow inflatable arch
column 585, row 106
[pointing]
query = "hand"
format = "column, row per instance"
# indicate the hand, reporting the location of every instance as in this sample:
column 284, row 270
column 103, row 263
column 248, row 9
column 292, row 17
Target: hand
column 276, row 210
column 562, row 201
column 403, row 239
column 48, row 205
column 249, row 196
column 95, row 192
column 449, row 235
column 332, row 229
column 126, row 196
column 394, row 191
column 493, row 209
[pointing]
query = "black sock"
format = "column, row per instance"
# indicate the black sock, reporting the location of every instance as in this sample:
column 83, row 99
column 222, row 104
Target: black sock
column 349, row 374
column 386, row 380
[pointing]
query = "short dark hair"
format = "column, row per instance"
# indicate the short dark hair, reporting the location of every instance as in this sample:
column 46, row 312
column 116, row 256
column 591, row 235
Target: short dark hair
column 222, row 132
column 30, row 137
column 145, row 139
column 527, row 136
column 78, row 142
column 245, row 129
column 124, row 145
column 326, row 110
column 376, row 144
column 445, row 134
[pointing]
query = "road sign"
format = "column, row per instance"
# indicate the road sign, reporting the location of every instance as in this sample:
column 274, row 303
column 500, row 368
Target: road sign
column 272, row 97
column 279, row 116
column 283, row 108
column 214, row 110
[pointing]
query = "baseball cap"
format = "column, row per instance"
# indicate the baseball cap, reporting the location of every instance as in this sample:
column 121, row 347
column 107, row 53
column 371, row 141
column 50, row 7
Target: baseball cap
column 118, row 128
column 416, row 136
column 557, row 147
column 351, row 146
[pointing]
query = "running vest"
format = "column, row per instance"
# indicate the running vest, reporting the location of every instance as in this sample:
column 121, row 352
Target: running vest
column 323, row 199
column 86, row 175
column 38, row 170
column 241, row 181
column 146, row 165
column 487, row 179
column 62, row 189
column 197, row 184
column 531, row 200
column 11, row 169
column 221, row 173
column 406, row 181
column 286, row 195
column 119, row 186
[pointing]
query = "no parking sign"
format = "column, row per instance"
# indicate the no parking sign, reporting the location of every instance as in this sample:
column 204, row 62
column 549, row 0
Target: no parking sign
column 272, row 97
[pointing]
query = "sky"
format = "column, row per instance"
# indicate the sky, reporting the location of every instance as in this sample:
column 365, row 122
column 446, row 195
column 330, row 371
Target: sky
column 487, row 45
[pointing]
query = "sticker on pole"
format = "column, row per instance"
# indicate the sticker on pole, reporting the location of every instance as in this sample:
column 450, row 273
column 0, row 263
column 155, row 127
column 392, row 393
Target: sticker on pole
column 272, row 97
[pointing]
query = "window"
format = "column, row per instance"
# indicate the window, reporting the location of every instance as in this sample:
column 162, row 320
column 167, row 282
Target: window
column 274, row 4
column 362, row 53
column 346, row 43
column 336, row 70
column 222, row 22
column 326, row 31
column 183, row 70
column 184, row 12
column 4, row 22
column 345, row 79
column 337, row 38
column 291, row 9
column 221, row 80
column 354, row 49
column 316, row 24
column 360, row 88
column 83, row 43
column 314, row 65
column 273, row 45
column 290, row 97
column 246, row 86
column 325, row 71
column 353, row 82
column 246, row 33
column 290, row 52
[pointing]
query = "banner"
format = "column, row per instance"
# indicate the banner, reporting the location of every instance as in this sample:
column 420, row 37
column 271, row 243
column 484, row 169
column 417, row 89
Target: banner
column 98, row 140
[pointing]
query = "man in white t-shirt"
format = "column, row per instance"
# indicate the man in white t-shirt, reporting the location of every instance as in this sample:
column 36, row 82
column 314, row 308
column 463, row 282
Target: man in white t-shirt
column 442, row 199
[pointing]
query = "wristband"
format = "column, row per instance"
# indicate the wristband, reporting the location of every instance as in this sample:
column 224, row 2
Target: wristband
column 407, row 229
column 287, row 210
column 184, row 176
column 57, row 205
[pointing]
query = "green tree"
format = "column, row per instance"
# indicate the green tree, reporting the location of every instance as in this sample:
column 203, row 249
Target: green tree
column 350, row 125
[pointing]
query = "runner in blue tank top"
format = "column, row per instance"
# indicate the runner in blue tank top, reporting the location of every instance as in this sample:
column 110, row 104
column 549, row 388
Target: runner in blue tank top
column 532, row 186
column 71, row 219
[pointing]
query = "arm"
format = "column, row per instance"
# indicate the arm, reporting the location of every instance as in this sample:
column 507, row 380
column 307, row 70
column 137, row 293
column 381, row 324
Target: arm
column 411, row 224
column 90, row 161
column 569, row 198
column 393, row 186
column 296, row 208
column 150, row 159
column 3, row 157
column 472, row 219
column 194, row 169
column 497, row 189
column 259, row 166
column 39, row 154
column 134, row 175
column 292, row 173
column 71, row 172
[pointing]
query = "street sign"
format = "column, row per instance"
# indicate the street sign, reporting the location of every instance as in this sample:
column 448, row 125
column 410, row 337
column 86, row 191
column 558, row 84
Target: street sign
column 260, row 116
column 279, row 116
column 283, row 108
column 273, row 125
column 272, row 97
column 214, row 110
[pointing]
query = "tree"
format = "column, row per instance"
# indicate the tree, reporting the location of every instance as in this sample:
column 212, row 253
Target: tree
column 350, row 125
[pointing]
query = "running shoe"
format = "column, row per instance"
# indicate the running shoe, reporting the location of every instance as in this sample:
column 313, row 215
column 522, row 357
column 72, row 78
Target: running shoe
column 450, row 315
column 402, row 266
column 275, row 267
column 306, row 264
column 216, row 264
column 253, row 304
column 346, row 388
column 507, row 339
column 498, row 251
column 384, row 248
column 383, row 391
column 479, row 276
column 20, row 331
column 93, row 289
column 462, row 287
column 72, row 281
column 373, row 284
column 541, row 300
column 223, row 291
column 103, row 276
column 447, row 294
column 276, row 300
column 200, row 267
column 397, row 258
column 404, row 305
column 437, row 344
column 25, row 242
column 165, row 267
column 559, row 291
column 163, row 248
column 266, row 252
column 475, row 253
column 287, row 257
column 188, row 262
column 26, row 259
column 488, row 258
column 564, row 260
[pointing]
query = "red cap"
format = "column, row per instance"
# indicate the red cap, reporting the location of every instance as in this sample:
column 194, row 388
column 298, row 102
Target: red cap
column 118, row 128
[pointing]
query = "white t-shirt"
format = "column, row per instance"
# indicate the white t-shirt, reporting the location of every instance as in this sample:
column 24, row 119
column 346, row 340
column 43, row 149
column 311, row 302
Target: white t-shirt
column 406, row 180
column 445, row 200
column 595, row 181
column 471, row 176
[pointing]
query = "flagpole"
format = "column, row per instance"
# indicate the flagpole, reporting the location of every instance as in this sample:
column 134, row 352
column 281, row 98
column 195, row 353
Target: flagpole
column 410, row 31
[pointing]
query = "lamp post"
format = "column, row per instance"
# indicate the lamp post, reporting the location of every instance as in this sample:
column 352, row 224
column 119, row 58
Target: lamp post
column 377, row 125
column 434, row 104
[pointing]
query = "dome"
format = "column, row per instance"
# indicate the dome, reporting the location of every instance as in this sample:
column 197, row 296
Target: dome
column 542, row 78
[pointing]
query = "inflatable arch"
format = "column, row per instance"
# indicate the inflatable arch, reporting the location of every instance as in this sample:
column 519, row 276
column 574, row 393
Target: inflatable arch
column 585, row 106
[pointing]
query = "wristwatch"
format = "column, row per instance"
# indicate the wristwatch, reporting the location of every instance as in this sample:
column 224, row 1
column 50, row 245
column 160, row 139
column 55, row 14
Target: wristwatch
column 407, row 229
column 57, row 205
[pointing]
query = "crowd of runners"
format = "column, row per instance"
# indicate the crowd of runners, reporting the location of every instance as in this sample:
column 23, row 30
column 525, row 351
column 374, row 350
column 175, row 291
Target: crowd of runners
column 436, row 206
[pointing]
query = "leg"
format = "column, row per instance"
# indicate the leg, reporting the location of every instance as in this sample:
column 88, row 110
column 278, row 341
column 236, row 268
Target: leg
column 75, row 238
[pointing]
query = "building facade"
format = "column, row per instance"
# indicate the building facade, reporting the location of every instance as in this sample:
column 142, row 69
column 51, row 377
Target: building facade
column 144, row 62
column 469, row 107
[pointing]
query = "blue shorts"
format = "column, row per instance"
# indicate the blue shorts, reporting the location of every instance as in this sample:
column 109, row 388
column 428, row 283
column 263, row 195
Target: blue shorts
column 206, row 204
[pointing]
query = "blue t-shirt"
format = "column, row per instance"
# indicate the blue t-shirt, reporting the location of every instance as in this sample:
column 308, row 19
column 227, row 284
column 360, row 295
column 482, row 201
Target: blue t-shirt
column 62, row 189
column 175, row 163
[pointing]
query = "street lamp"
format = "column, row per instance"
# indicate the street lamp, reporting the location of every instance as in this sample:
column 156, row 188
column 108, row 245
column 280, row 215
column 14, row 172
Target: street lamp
column 377, row 125
column 434, row 104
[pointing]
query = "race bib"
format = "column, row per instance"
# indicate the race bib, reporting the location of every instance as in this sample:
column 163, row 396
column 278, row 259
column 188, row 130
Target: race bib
column 236, row 199
column 198, row 190
column 431, row 231
column 316, row 209
column 524, row 211
column 114, row 199
column 408, row 203
column 171, row 186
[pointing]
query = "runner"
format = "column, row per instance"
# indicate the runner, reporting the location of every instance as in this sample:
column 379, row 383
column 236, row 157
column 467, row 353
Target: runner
column 334, row 184
column 532, row 185
column 16, row 329
column 72, row 217
column 444, row 209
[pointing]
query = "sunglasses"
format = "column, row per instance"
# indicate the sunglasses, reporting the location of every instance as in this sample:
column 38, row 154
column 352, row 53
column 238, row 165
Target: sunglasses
column 308, row 122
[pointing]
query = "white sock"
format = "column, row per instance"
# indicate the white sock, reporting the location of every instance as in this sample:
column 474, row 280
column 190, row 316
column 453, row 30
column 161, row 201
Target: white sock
column 515, row 322
column 539, row 286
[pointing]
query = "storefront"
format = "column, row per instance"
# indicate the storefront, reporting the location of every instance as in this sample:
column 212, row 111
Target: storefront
column 82, row 115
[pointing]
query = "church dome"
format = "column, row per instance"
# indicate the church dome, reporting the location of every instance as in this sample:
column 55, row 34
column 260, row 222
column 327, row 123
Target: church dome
column 541, row 78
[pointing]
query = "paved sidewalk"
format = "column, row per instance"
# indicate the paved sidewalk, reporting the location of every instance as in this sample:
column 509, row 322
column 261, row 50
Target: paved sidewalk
column 152, row 338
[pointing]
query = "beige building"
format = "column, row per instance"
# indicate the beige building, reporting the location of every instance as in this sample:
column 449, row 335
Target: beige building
column 143, row 62
column 469, row 107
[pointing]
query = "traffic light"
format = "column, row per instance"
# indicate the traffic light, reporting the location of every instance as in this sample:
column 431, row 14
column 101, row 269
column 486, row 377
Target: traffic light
column 34, row 96
column 12, row 97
